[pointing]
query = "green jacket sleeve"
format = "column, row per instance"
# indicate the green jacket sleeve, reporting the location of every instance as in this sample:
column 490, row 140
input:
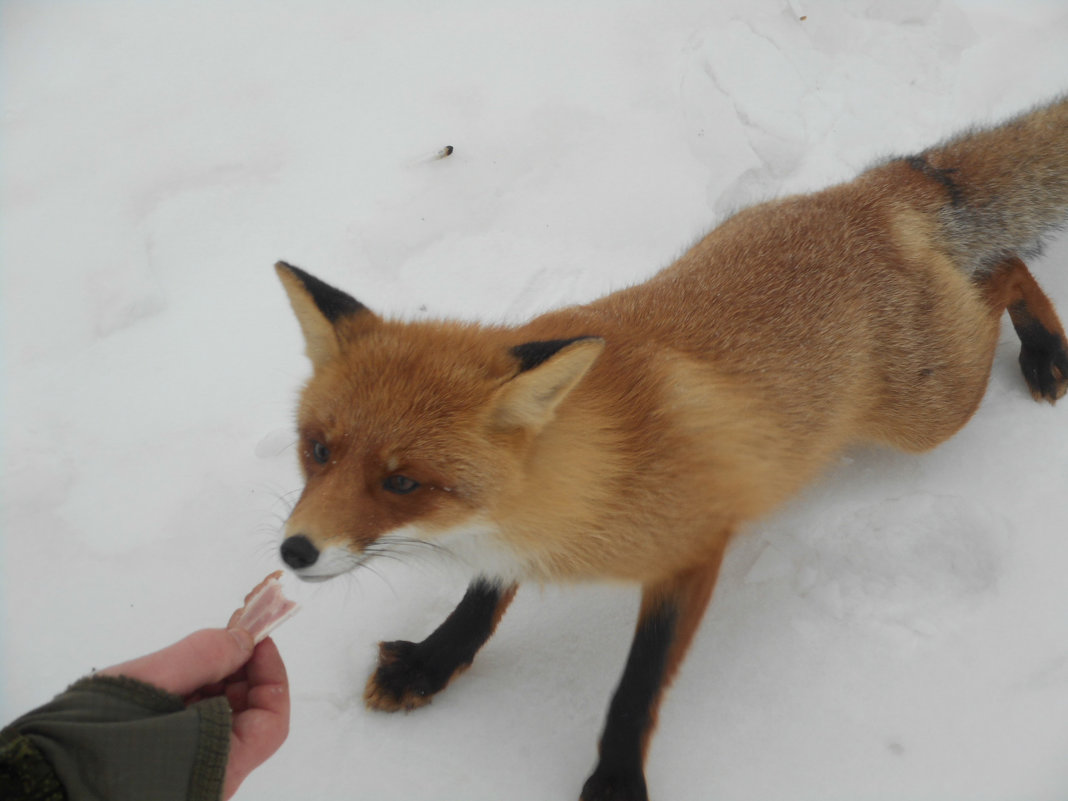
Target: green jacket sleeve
column 25, row 774
column 117, row 739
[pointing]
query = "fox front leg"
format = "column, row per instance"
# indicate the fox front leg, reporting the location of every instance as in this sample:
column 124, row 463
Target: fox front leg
column 410, row 674
column 670, row 613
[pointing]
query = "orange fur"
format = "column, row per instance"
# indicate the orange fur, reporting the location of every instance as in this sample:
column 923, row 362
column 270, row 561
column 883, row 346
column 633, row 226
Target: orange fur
column 698, row 400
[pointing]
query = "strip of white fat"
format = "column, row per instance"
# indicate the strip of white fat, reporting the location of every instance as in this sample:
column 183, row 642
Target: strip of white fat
column 265, row 609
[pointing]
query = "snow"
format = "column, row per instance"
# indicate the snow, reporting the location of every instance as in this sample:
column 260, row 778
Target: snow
column 897, row 632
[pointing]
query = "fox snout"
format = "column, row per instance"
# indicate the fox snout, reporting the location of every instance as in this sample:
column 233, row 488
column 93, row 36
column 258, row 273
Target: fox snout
column 299, row 552
column 310, row 562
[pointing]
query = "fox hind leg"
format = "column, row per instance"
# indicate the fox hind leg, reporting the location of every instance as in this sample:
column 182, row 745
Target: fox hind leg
column 1043, row 345
column 1043, row 349
column 1043, row 357
column 410, row 674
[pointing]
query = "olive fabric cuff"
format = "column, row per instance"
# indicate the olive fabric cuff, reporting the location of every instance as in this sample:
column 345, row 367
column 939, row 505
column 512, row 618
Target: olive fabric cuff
column 120, row 739
column 25, row 774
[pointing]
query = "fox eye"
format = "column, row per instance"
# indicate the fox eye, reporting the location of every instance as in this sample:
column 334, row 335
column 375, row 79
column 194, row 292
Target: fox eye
column 320, row 453
column 400, row 485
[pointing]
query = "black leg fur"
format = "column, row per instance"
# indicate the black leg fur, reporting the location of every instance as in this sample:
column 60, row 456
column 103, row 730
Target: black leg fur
column 619, row 775
column 1043, row 354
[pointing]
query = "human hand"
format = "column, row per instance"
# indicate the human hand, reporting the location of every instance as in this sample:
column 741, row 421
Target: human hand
column 213, row 662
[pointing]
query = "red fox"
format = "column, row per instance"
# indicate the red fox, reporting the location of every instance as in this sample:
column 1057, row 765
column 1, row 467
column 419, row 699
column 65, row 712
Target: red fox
column 631, row 437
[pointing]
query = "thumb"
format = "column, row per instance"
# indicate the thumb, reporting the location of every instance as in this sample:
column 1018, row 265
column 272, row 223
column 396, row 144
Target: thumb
column 204, row 657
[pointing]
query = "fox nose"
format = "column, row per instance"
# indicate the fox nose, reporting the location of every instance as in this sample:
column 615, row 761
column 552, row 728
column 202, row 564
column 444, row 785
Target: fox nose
column 298, row 551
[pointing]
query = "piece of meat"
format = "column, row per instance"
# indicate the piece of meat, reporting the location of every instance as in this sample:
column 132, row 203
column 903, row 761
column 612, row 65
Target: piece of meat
column 265, row 608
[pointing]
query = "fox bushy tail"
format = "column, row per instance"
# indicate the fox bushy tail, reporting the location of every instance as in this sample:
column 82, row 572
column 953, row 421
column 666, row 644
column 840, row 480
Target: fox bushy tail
column 1006, row 186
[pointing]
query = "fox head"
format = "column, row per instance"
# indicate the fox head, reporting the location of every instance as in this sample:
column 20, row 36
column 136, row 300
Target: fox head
column 410, row 434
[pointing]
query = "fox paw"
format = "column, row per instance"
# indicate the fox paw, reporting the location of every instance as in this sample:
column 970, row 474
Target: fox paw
column 403, row 679
column 1046, row 369
column 608, row 786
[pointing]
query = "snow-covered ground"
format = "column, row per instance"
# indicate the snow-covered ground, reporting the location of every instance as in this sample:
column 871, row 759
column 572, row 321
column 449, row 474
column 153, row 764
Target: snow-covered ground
column 898, row 632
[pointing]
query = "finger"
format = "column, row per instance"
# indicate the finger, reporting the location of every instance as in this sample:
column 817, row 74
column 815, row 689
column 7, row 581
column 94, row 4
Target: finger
column 261, row 728
column 204, row 657
column 237, row 696
column 207, row 691
column 267, row 687
column 266, row 665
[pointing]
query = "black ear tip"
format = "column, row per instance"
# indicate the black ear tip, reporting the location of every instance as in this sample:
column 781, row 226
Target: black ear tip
column 333, row 303
column 285, row 267
column 532, row 354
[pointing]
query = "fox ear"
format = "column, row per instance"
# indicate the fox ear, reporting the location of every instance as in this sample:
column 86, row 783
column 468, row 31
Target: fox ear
column 319, row 307
column 548, row 371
